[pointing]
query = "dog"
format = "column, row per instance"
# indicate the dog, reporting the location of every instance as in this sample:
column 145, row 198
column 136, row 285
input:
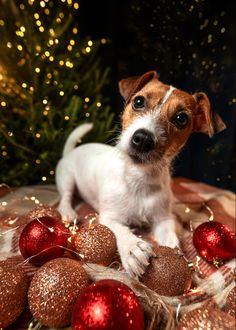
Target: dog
column 129, row 184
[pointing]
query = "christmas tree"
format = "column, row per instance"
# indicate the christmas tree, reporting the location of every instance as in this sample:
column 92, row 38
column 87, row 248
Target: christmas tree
column 51, row 81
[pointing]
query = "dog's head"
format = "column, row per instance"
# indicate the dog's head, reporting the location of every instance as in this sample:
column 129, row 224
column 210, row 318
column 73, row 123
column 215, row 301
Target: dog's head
column 158, row 118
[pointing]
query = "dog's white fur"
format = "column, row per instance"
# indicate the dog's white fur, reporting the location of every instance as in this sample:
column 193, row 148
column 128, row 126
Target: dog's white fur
column 129, row 185
column 123, row 193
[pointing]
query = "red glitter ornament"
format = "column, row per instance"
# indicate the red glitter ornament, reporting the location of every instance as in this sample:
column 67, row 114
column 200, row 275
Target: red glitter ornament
column 107, row 305
column 43, row 239
column 214, row 241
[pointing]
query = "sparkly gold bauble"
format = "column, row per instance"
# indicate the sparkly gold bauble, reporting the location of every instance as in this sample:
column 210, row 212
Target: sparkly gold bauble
column 168, row 274
column 42, row 211
column 13, row 292
column 206, row 318
column 54, row 289
column 230, row 305
column 95, row 243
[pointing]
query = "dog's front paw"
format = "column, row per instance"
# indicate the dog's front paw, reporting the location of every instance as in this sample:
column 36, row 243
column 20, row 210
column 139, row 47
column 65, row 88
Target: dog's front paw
column 135, row 256
column 67, row 213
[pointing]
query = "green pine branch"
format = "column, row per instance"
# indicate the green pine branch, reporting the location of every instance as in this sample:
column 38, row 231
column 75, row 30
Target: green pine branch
column 50, row 82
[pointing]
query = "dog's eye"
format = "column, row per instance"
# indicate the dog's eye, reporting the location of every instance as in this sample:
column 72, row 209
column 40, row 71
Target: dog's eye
column 180, row 120
column 139, row 103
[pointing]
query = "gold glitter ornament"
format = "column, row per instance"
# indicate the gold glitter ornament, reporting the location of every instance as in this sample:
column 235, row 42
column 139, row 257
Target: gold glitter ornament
column 168, row 274
column 13, row 292
column 42, row 211
column 206, row 318
column 54, row 289
column 230, row 305
column 95, row 243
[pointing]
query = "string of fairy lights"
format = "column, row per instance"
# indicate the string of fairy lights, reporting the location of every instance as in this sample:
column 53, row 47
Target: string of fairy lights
column 43, row 59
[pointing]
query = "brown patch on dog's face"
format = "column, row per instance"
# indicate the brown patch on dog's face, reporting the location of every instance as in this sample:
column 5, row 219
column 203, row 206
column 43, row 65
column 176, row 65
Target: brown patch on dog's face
column 153, row 92
column 179, row 102
column 169, row 115
column 177, row 117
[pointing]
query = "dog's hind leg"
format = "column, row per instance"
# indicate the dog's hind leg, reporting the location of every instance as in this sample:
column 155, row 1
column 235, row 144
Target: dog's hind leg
column 65, row 182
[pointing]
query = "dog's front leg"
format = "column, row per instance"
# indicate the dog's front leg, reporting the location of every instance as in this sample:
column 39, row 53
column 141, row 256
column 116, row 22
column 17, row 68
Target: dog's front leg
column 134, row 252
column 65, row 184
column 165, row 231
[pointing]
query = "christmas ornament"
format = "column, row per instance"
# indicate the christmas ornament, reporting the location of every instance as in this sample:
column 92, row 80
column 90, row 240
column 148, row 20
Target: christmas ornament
column 230, row 304
column 206, row 318
column 43, row 211
column 95, row 243
column 214, row 241
column 43, row 239
column 54, row 289
column 107, row 305
column 168, row 274
column 23, row 322
column 13, row 292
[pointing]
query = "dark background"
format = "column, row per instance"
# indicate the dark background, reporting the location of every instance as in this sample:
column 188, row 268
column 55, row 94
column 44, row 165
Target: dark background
column 192, row 46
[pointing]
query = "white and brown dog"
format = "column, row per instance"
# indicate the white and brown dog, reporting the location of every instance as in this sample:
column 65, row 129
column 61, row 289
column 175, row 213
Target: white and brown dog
column 129, row 184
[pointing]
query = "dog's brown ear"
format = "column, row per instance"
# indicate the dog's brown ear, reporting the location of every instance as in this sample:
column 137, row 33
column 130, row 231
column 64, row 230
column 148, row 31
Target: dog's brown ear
column 130, row 86
column 205, row 120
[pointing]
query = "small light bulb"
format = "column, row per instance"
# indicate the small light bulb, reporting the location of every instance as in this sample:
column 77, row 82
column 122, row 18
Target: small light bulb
column 19, row 47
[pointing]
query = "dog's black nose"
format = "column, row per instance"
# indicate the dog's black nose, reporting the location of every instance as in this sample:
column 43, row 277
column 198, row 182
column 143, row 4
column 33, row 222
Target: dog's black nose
column 143, row 141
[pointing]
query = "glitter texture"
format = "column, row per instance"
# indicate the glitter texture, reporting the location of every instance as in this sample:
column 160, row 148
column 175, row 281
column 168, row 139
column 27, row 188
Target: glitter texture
column 42, row 211
column 168, row 274
column 96, row 243
column 13, row 292
column 107, row 304
column 54, row 289
column 43, row 239
column 213, row 241
column 207, row 319
column 230, row 305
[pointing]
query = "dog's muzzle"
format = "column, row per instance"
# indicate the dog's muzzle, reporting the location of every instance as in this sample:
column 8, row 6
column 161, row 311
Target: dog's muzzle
column 142, row 141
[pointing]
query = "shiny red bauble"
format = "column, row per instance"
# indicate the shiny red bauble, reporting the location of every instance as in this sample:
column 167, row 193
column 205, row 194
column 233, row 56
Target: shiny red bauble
column 107, row 305
column 43, row 239
column 213, row 241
